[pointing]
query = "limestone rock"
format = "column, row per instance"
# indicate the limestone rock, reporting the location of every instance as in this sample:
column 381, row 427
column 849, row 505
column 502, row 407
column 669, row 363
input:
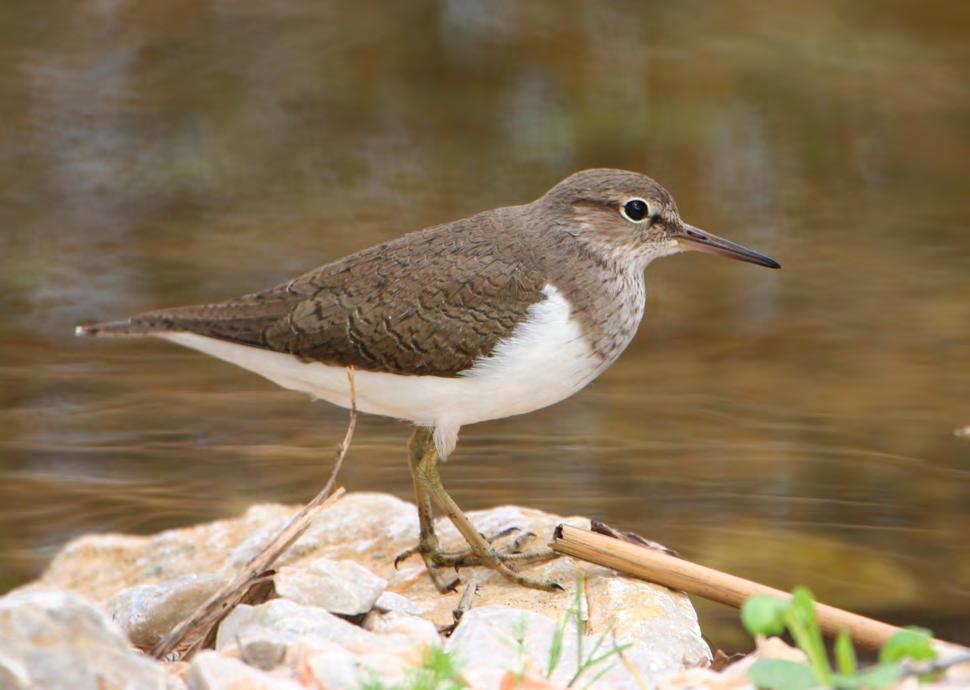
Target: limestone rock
column 403, row 624
column 657, row 620
column 339, row 654
column 493, row 640
column 369, row 529
column 53, row 640
column 263, row 654
column 392, row 601
column 212, row 671
column 341, row 587
column 145, row 579
column 148, row 612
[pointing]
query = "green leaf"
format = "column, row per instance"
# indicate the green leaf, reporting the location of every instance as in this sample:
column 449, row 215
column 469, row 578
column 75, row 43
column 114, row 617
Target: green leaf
column 845, row 654
column 803, row 604
column 911, row 643
column 764, row 615
column 872, row 678
column 778, row 674
column 803, row 625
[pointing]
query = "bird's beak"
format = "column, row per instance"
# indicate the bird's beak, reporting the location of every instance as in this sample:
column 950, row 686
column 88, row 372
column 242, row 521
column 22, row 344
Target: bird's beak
column 690, row 238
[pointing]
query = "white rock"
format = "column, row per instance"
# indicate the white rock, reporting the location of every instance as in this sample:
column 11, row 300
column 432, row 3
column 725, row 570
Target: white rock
column 341, row 587
column 288, row 622
column 149, row 612
column 663, row 623
column 262, row 653
column 291, row 623
column 333, row 667
column 493, row 640
column 52, row 640
column 392, row 601
column 403, row 624
column 369, row 529
column 212, row 671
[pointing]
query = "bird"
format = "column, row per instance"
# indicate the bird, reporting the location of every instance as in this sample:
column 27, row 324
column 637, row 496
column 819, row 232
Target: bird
column 498, row 314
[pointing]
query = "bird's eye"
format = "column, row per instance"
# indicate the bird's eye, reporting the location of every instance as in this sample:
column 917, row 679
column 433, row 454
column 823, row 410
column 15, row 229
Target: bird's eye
column 635, row 210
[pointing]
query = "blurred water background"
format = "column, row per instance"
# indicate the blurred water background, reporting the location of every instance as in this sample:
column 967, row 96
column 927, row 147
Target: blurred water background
column 791, row 427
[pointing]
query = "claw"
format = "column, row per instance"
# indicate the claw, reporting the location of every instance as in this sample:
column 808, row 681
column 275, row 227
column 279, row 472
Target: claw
column 516, row 546
column 404, row 555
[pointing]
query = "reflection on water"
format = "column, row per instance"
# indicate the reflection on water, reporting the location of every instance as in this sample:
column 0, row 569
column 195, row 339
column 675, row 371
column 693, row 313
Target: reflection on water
column 792, row 426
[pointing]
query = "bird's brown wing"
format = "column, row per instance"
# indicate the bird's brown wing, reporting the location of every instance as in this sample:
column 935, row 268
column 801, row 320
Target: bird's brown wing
column 430, row 303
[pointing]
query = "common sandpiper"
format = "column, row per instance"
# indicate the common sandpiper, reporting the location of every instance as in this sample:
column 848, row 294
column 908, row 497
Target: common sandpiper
column 495, row 315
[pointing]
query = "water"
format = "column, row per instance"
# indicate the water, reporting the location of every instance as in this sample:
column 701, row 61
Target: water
column 792, row 427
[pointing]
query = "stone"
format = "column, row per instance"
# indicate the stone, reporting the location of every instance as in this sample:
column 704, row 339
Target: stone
column 369, row 529
column 392, row 601
column 338, row 653
column 54, row 640
column 403, row 624
column 149, row 612
column 143, row 579
column 332, row 666
column 263, row 654
column 341, row 587
column 212, row 671
column 648, row 614
column 657, row 620
column 491, row 641
column 292, row 623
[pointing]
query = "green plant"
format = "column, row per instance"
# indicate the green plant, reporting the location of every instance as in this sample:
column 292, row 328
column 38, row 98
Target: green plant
column 765, row 615
column 438, row 671
column 584, row 661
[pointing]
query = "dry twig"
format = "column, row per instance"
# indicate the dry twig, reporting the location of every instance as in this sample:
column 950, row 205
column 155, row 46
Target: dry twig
column 676, row 573
column 253, row 581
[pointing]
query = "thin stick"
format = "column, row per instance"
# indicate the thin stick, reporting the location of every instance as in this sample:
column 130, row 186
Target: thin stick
column 192, row 633
column 676, row 573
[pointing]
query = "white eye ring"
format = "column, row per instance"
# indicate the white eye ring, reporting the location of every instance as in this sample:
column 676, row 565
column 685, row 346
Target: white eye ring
column 636, row 210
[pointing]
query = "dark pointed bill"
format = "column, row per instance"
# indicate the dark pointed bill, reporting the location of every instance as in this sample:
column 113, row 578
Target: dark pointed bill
column 696, row 239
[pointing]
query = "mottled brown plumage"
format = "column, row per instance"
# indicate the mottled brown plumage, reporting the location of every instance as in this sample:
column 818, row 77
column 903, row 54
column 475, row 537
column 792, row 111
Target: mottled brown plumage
column 435, row 301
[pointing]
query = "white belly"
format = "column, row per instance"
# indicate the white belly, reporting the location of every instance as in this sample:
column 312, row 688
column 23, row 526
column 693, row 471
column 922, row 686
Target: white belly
column 545, row 360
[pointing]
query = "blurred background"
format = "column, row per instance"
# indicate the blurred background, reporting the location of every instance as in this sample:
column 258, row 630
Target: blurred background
column 796, row 426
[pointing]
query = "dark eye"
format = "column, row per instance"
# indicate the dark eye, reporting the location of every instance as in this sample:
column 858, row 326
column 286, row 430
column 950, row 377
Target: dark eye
column 635, row 210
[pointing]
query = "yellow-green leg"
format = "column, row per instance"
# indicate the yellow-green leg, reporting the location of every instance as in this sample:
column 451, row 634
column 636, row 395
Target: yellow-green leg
column 427, row 539
column 429, row 491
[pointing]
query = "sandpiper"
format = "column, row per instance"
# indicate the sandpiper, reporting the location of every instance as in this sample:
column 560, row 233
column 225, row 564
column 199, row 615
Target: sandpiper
column 495, row 315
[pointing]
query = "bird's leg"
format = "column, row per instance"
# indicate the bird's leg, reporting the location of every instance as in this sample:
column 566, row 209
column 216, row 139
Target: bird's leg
column 428, row 545
column 428, row 485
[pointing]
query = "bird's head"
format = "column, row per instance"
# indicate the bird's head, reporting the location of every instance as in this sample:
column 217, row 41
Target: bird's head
column 632, row 214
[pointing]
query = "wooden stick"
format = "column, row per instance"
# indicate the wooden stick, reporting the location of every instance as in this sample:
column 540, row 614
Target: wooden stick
column 676, row 573
column 198, row 629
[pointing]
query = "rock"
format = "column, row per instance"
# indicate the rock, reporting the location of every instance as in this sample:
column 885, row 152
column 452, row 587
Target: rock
column 332, row 666
column 288, row 622
column 212, row 671
column 291, row 623
column 262, row 653
column 51, row 640
column 493, row 640
column 344, row 562
column 392, row 601
column 659, row 621
column 339, row 654
column 369, row 529
column 148, row 612
column 341, row 587
column 648, row 614
column 403, row 624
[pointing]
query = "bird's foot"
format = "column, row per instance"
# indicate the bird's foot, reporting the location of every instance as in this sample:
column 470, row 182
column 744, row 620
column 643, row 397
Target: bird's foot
column 495, row 558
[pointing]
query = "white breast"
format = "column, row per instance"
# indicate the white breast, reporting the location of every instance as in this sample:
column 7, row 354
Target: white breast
column 545, row 360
